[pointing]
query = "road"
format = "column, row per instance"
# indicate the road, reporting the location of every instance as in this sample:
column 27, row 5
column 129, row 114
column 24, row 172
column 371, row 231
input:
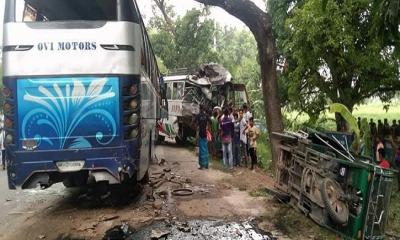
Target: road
column 59, row 213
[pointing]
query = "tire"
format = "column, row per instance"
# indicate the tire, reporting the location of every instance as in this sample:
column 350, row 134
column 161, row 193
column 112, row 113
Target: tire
column 145, row 179
column 332, row 191
column 160, row 139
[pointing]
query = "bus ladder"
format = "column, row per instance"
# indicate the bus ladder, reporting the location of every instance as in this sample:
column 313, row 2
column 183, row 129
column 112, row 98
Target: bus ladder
column 373, row 203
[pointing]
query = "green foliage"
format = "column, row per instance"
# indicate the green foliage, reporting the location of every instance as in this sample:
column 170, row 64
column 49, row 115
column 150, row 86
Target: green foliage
column 330, row 56
column 264, row 152
column 346, row 114
column 189, row 45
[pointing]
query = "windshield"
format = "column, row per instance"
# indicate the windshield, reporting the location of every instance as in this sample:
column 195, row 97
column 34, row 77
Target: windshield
column 65, row 10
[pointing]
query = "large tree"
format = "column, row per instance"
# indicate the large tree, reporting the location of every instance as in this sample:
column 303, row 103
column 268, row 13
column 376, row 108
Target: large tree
column 260, row 24
column 335, row 58
column 184, row 42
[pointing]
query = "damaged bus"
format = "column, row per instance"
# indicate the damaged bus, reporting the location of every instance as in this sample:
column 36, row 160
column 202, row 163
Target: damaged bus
column 81, row 89
column 212, row 86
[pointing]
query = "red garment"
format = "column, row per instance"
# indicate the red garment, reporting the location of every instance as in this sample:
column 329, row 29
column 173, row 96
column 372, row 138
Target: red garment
column 384, row 164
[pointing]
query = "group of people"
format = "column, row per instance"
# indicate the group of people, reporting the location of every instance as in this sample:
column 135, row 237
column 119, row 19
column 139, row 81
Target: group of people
column 229, row 131
column 386, row 144
column 384, row 129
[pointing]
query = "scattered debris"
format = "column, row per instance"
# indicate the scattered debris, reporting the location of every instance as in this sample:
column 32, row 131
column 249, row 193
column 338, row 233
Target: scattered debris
column 158, row 233
column 182, row 192
column 120, row 232
column 107, row 218
column 157, row 204
column 42, row 236
column 198, row 229
column 167, row 169
column 183, row 227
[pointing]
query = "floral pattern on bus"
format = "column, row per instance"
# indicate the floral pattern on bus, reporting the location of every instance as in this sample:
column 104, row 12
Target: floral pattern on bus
column 68, row 113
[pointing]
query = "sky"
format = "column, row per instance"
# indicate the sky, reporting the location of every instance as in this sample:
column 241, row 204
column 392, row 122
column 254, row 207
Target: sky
column 181, row 6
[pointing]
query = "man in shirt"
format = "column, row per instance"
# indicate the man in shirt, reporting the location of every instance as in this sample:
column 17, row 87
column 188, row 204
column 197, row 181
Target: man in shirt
column 202, row 121
column 227, row 130
column 243, row 138
column 247, row 115
column 253, row 134
column 236, row 140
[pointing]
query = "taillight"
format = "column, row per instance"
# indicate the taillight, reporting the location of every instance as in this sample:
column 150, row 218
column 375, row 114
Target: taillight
column 6, row 92
column 133, row 90
column 133, row 119
column 8, row 123
column 9, row 139
column 131, row 110
column 133, row 104
column 7, row 108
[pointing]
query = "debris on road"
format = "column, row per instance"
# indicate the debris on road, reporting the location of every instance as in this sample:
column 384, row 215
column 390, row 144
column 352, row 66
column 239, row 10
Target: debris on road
column 198, row 229
column 182, row 192
column 120, row 232
column 42, row 236
column 158, row 233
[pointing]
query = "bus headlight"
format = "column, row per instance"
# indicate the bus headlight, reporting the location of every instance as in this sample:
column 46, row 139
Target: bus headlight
column 133, row 104
column 133, row 119
column 134, row 133
column 9, row 139
column 133, row 90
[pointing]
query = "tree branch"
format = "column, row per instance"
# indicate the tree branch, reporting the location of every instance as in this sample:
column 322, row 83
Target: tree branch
column 161, row 4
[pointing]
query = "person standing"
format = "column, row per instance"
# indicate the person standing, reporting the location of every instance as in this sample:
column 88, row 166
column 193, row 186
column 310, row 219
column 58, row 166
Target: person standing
column 236, row 140
column 247, row 115
column 215, row 145
column 393, row 128
column 243, row 138
column 2, row 136
column 227, row 130
column 386, row 128
column 253, row 134
column 380, row 128
column 397, row 133
column 202, row 121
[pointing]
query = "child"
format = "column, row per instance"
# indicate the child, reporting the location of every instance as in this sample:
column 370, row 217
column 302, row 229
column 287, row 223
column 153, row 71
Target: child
column 383, row 163
column 252, row 133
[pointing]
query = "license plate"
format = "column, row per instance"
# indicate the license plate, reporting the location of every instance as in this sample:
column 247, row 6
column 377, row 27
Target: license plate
column 70, row 166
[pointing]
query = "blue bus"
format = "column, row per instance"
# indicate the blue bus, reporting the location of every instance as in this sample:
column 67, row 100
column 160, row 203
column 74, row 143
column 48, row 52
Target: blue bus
column 82, row 93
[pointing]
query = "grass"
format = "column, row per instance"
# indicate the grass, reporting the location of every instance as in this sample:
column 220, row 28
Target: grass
column 264, row 152
column 374, row 110
column 394, row 212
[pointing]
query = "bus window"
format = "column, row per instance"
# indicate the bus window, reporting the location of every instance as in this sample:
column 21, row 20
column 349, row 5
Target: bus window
column 67, row 10
column 178, row 91
column 169, row 91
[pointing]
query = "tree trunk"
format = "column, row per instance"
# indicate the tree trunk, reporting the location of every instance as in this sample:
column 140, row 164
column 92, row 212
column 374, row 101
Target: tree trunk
column 341, row 124
column 260, row 24
column 161, row 4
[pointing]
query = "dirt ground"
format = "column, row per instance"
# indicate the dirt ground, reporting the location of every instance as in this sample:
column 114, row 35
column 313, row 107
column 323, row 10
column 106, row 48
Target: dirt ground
column 217, row 194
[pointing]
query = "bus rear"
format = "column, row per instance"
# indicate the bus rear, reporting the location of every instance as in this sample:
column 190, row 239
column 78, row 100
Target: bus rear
column 77, row 75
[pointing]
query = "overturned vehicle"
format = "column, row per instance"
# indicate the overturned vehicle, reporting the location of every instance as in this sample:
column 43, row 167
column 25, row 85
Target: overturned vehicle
column 322, row 178
column 212, row 86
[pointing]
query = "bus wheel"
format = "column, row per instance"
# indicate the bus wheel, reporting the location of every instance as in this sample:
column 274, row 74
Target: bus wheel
column 145, row 179
column 180, row 140
column 160, row 139
column 333, row 197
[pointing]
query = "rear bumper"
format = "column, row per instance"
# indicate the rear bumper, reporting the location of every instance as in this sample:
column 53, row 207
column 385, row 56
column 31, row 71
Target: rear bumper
column 23, row 167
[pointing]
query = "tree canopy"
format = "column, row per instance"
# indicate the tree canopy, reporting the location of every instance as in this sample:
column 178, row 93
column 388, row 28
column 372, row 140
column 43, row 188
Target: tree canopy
column 331, row 55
